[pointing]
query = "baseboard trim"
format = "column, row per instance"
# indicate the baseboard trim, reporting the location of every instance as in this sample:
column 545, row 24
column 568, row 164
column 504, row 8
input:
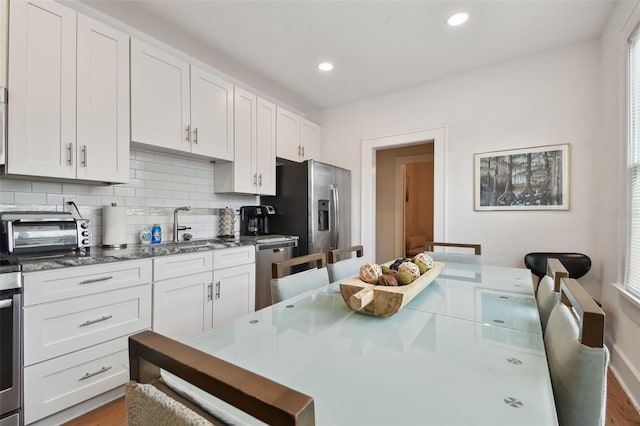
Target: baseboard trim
column 626, row 374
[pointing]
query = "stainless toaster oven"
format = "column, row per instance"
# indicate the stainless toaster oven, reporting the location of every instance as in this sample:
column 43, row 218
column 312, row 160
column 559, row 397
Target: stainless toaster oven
column 29, row 232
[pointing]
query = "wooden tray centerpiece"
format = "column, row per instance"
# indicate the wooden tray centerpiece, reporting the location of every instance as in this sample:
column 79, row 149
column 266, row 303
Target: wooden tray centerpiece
column 384, row 301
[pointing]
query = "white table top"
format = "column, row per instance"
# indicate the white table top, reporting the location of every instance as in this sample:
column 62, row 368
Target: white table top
column 441, row 360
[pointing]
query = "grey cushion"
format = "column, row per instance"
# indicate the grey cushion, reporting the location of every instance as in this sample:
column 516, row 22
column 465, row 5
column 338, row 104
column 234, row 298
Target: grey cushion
column 547, row 299
column 578, row 372
column 344, row 269
column 292, row 285
column 455, row 257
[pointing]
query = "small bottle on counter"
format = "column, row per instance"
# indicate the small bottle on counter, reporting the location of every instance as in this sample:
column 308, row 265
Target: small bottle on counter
column 156, row 234
column 145, row 236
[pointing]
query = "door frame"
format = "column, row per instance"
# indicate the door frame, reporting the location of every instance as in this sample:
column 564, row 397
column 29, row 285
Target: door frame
column 399, row 213
column 439, row 137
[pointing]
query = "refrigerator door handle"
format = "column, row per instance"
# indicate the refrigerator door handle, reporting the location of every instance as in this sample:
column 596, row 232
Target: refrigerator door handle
column 336, row 216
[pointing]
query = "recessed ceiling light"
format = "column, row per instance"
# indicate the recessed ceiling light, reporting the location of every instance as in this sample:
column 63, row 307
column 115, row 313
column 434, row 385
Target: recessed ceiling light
column 325, row 66
column 457, row 19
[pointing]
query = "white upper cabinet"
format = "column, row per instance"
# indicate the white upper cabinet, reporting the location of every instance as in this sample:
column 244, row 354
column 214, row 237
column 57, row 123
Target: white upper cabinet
column 254, row 166
column 4, row 41
column 211, row 115
column 48, row 74
column 160, row 105
column 298, row 139
column 309, row 140
column 179, row 107
column 103, row 102
column 288, row 135
column 266, row 147
column 42, row 87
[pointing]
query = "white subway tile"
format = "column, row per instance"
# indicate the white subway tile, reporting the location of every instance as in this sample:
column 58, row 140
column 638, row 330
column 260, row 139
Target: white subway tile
column 89, row 200
column 48, row 187
column 30, row 198
column 7, row 185
column 7, row 197
column 101, row 190
column 124, row 191
column 75, row 189
column 107, row 201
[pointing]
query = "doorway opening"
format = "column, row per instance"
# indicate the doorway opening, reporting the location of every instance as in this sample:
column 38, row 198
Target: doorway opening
column 437, row 137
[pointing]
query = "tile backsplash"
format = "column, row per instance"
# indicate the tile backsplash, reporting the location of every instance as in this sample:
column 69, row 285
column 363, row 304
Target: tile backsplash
column 157, row 184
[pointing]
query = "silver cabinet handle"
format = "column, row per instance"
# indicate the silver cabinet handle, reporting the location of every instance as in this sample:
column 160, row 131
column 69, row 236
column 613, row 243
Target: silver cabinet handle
column 7, row 303
column 303, row 150
column 299, row 150
column 95, row 280
column 218, row 290
column 95, row 373
column 84, row 155
column 255, row 179
column 210, row 291
column 260, row 179
column 102, row 318
column 70, row 154
column 188, row 133
column 195, row 135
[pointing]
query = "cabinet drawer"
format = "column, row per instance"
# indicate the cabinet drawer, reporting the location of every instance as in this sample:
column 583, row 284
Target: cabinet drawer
column 59, row 383
column 225, row 258
column 57, row 328
column 179, row 265
column 48, row 286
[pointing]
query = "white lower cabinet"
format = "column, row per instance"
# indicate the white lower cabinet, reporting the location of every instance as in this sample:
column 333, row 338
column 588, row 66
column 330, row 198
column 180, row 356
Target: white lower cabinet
column 75, row 344
column 186, row 304
column 59, row 383
column 181, row 308
column 234, row 293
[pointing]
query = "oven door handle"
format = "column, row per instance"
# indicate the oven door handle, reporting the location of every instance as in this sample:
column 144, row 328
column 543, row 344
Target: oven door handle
column 6, row 303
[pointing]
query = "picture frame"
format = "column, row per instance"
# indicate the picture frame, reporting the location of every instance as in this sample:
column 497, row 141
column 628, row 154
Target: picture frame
column 535, row 178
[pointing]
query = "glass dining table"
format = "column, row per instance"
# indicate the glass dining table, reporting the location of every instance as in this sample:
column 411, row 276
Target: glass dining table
column 467, row 350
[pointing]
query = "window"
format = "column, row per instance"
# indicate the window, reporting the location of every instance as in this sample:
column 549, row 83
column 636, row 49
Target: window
column 632, row 261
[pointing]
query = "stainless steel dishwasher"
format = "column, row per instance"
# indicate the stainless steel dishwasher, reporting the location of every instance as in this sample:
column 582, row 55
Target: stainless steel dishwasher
column 270, row 249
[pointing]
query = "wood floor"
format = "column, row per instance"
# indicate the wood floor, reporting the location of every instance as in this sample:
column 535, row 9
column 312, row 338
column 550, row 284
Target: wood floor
column 620, row 411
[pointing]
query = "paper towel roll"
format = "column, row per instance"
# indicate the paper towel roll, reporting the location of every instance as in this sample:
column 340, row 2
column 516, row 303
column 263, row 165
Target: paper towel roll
column 114, row 227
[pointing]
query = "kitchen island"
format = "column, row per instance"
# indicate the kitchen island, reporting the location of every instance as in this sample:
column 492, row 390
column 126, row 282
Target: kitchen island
column 468, row 350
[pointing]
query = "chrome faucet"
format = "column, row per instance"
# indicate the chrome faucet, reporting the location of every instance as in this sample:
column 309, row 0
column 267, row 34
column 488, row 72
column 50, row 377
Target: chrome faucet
column 176, row 227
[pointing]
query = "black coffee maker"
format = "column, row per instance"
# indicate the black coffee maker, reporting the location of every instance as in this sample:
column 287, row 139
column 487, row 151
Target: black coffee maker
column 254, row 220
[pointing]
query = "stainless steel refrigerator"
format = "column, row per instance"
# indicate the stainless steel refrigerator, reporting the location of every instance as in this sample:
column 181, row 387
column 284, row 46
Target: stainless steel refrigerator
column 312, row 201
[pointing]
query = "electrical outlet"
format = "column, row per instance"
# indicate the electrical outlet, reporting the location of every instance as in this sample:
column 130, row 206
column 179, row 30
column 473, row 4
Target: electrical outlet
column 65, row 200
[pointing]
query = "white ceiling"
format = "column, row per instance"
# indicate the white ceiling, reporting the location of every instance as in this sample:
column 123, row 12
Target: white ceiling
column 376, row 46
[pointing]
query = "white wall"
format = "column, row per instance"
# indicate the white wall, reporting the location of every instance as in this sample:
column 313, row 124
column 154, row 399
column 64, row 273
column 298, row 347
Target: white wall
column 623, row 316
column 550, row 98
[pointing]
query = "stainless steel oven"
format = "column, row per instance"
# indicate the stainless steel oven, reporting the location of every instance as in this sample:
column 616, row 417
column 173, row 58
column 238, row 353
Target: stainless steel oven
column 10, row 341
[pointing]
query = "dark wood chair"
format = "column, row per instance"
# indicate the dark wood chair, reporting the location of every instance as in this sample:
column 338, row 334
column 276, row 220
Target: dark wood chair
column 285, row 284
column 151, row 401
column 577, row 356
column 431, row 245
column 548, row 290
column 346, row 268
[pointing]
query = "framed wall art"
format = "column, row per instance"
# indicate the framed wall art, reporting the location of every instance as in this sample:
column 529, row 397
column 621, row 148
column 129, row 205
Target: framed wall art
column 522, row 179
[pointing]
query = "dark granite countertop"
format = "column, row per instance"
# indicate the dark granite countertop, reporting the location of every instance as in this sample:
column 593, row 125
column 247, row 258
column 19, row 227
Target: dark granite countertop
column 98, row 255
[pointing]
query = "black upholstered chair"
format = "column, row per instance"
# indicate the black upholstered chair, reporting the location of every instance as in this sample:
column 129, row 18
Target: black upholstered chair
column 577, row 264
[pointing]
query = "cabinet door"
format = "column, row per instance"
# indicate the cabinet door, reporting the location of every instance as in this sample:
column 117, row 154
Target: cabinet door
column 103, row 102
column 159, row 98
column 211, row 115
column 182, row 306
column 244, row 175
column 234, row 293
column 42, row 86
column 310, row 140
column 288, row 135
column 266, row 147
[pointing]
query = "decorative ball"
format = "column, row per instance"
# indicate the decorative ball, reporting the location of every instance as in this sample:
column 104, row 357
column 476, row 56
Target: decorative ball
column 423, row 267
column 411, row 268
column 385, row 269
column 369, row 272
column 387, row 280
column 420, row 257
column 404, row 278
